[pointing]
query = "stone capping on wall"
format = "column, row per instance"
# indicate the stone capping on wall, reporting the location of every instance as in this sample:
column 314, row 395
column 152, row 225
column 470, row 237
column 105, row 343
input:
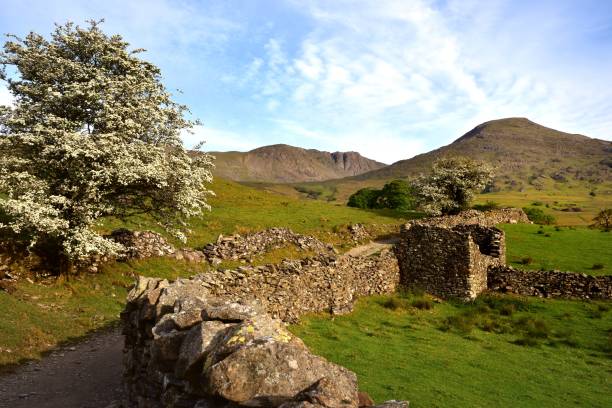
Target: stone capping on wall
column 549, row 284
column 205, row 342
column 486, row 219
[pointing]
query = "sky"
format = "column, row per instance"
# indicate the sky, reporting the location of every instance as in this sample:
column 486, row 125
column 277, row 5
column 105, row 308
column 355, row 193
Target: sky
column 389, row 79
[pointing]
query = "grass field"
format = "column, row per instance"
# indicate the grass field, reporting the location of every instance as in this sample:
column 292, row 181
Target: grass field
column 560, row 197
column 498, row 352
column 241, row 209
column 559, row 200
column 40, row 315
column 575, row 249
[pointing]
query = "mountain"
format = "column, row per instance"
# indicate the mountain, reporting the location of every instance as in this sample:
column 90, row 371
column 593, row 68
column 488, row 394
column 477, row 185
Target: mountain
column 288, row 164
column 522, row 152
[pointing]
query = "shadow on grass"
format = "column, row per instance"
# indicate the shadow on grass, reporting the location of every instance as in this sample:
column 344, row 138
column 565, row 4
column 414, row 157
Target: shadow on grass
column 10, row 368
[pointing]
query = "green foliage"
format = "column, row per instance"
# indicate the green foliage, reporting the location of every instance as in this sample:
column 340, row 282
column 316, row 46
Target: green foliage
column 571, row 249
column 451, row 185
column 364, row 198
column 487, row 206
column 538, row 216
column 603, row 220
column 93, row 132
column 395, row 195
column 496, row 351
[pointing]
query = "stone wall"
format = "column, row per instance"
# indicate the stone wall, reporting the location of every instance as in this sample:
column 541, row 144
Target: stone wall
column 449, row 256
column 448, row 262
column 553, row 284
column 320, row 284
column 245, row 247
column 210, row 341
column 149, row 244
column 485, row 219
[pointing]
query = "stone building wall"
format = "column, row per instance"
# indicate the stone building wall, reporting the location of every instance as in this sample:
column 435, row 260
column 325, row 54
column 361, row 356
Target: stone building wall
column 449, row 256
column 448, row 262
column 553, row 284
column 214, row 341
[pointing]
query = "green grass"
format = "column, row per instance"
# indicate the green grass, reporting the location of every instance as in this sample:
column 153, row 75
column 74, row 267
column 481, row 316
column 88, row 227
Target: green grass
column 556, row 198
column 40, row 315
column 575, row 249
column 472, row 355
column 241, row 209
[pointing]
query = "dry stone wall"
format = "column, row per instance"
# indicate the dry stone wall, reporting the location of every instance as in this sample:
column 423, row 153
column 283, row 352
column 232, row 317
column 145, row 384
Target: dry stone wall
column 245, row 247
column 554, row 284
column 192, row 343
column 149, row 244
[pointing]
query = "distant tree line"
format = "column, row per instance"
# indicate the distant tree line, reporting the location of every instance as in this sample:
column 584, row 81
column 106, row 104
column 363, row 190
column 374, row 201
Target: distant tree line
column 397, row 195
column 448, row 189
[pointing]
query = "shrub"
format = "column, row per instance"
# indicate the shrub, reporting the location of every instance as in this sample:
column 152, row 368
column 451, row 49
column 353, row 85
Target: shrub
column 463, row 323
column 396, row 195
column 534, row 327
column 488, row 206
column 364, row 198
column 395, row 303
column 451, row 185
column 597, row 266
column 507, row 310
column 538, row 216
column 603, row 220
column 422, row 304
column 93, row 132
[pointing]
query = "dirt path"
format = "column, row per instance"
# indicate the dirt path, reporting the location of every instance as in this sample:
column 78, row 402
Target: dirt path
column 86, row 375
column 372, row 247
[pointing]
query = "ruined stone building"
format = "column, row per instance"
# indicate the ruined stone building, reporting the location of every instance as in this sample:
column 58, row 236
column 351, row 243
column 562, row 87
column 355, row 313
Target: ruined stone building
column 449, row 256
column 449, row 261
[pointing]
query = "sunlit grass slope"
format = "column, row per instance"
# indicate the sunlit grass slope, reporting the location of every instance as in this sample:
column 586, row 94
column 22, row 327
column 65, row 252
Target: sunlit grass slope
column 500, row 351
column 238, row 209
column 575, row 249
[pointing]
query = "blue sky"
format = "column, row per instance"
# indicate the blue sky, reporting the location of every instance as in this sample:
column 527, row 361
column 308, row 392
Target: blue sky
column 389, row 79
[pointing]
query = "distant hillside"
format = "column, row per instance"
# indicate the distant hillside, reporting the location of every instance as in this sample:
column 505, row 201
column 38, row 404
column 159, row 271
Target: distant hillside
column 522, row 153
column 287, row 164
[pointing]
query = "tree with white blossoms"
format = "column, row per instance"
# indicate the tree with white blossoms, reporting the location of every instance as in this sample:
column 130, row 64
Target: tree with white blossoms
column 92, row 133
column 451, row 185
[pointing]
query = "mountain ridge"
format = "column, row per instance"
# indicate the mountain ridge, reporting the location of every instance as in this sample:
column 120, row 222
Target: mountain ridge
column 520, row 150
column 282, row 163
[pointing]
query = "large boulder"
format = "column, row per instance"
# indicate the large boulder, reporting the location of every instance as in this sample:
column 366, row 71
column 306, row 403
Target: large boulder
column 188, row 348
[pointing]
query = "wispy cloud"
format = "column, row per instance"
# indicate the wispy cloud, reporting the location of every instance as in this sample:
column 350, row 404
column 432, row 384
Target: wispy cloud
column 388, row 78
column 218, row 140
column 410, row 71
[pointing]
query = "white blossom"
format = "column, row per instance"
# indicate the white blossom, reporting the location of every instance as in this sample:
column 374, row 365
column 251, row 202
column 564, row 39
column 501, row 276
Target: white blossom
column 451, row 185
column 92, row 133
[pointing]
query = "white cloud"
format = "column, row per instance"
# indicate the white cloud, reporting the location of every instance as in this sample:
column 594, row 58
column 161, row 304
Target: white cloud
column 218, row 139
column 397, row 71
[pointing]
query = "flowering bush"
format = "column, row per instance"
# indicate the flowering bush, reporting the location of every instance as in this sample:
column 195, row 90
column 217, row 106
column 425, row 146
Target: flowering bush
column 451, row 185
column 92, row 132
